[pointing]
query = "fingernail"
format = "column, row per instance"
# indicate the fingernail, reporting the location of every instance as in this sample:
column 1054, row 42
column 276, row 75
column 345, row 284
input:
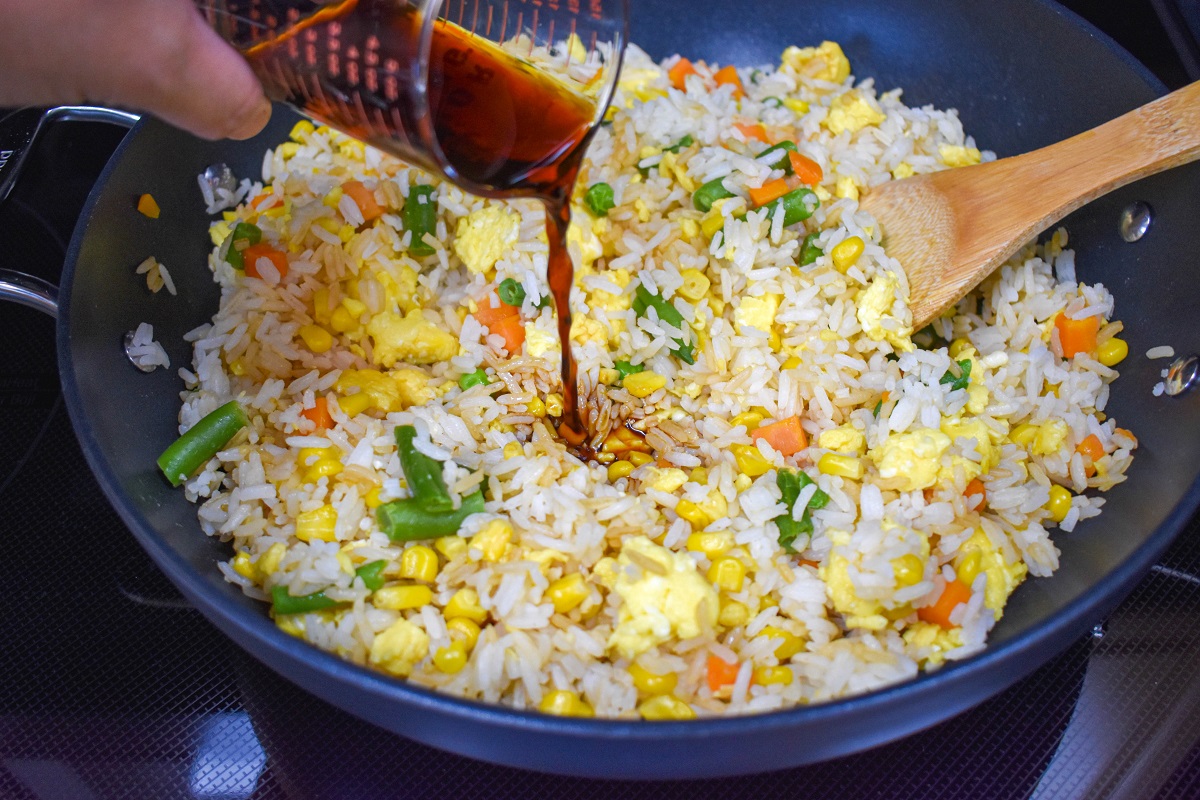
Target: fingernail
column 252, row 123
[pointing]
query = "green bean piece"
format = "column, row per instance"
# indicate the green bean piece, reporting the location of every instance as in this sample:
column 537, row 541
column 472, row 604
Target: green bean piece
column 686, row 141
column 781, row 161
column 202, row 441
column 704, row 197
column 475, row 378
column 424, row 474
column 810, row 251
column 625, row 368
column 407, row 520
column 242, row 232
column 372, row 574
column 599, row 199
column 772, row 102
column 643, row 300
column 798, row 205
column 419, row 216
column 511, row 292
column 284, row 603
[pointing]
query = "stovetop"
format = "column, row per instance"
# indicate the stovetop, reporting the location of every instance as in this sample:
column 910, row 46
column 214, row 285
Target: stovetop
column 111, row 686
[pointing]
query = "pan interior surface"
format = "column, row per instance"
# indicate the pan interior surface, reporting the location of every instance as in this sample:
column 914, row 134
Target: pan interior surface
column 1023, row 73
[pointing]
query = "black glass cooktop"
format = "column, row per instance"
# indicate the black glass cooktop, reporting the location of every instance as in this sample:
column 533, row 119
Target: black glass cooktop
column 111, row 686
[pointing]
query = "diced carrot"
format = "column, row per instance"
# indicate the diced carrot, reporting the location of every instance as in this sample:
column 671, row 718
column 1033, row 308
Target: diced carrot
column 148, row 206
column 1094, row 450
column 319, row 414
column 720, row 672
column 1128, row 434
column 512, row 329
column 755, row 131
column 364, row 198
column 786, row 435
column 884, row 397
column 728, row 75
column 806, row 562
column 976, row 487
column 1077, row 335
column 955, row 594
column 488, row 314
column 771, row 190
column 254, row 252
column 808, row 171
column 257, row 205
column 679, row 72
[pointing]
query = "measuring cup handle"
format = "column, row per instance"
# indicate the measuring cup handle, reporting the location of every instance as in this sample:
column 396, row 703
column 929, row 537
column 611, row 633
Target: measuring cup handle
column 18, row 133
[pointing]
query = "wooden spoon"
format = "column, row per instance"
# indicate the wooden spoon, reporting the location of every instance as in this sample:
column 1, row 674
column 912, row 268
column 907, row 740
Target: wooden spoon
column 951, row 229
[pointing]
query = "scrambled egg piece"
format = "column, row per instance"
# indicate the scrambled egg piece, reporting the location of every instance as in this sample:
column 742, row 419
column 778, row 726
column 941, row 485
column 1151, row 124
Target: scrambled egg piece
column 539, row 342
column 846, row 188
column 398, row 649
column 598, row 298
column 986, row 442
column 1050, row 437
column 859, row 613
column 410, row 338
column 664, row 480
column 583, row 243
column 903, row 170
column 635, row 82
column 934, row 637
column 914, row 458
column 585, row 329
column 955, row 155
column 667, row 597
column 484, row 236
column 874, row 304
column 851, row 112
column 843, row 439
column 400, row 288
column 826, row 62
column 756, row 312
column 1002, row 577
column 395, row 391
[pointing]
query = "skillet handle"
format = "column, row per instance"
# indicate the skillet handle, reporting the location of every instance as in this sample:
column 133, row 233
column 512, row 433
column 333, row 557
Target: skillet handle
column 18, row 133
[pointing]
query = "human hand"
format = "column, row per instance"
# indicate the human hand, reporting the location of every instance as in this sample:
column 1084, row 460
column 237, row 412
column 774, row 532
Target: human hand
column 153, row 55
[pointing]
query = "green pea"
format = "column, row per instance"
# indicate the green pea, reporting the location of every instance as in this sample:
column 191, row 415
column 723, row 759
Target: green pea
column 599, row 199
column 475, row 378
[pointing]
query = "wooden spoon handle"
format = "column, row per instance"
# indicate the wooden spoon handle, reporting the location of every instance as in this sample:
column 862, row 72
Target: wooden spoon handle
column 1065, row 176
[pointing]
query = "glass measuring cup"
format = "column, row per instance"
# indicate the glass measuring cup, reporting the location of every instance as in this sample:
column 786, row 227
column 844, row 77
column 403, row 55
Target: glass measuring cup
column 490, row 93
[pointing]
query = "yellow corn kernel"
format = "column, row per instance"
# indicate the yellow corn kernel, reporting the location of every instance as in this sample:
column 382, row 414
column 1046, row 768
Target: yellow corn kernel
column 665, row 707
column 465, row 603
column 492, row 539
column 789, row 643
column 354, row 404
column 751, row 419
column 1112, row 352
column 316, row 338
column 643, row 384
column 562, row 703
column 699, row 475
column 341, row 321
column 609, row 376
column 317, row 524
column 288, row 149
column 343, row 559
column 328, row 223
column 346, row 233
column 333, row 198
column 1059, row 503
column 727, row 573
column 419, row 563
column 742, row 482
column 712, row 222
column 301, row 131
column 791, row 363
column 450, row 547
column 639, row 459
column 554, row 404
column 695, row 285
column 148, row 206
column 796, row 105
column 451, row 659
column 567, row 592
column 311, row 455
column 536, row 407
column 463, row 630
column 845, row 466
column 400, row 598
column 324, row 468
column 712, row 545
column 968, row 568
column 733, row 614
column 619, row 469
column 650, row 684
column 846, row 253
column 268, row 562
column 1023, row 434
column 243, row 566
column 909, row 569
column 512, row 450
column 749, row 460
column 237, row 367
column 372, row 498
column 765, row 676
column 692, row 513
